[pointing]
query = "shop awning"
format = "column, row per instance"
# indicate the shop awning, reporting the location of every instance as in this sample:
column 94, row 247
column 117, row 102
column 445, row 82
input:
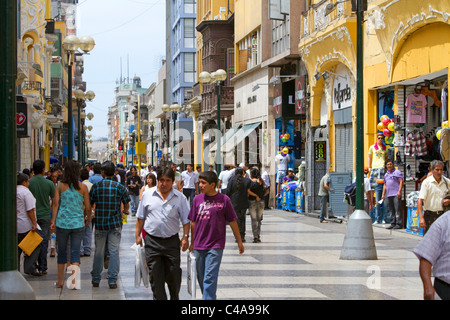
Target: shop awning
column 240, row 135
column 230, row 132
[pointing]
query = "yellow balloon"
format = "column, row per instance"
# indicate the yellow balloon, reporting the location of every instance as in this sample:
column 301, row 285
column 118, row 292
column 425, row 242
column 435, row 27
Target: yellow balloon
column 287, row 135
column 445, row 123
column 438, row 134
column 391, row 126
column 383, row 117
column 380, row 126
column 285, row 150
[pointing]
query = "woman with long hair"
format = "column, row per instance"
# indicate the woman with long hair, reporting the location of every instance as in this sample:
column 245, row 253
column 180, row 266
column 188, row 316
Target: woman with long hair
column 237, row 189
column 150, row 182
column 256, row 203
column 71, row 213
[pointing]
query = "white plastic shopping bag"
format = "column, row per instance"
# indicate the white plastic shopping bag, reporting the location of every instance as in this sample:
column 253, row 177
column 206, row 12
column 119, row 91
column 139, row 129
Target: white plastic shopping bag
column 140, row 267
column 191, row 275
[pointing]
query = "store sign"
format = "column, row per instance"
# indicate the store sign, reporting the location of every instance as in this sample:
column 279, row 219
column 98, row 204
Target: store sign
column 320, row 151
column 342, row 93
column 300, row 96
column 23, row 125
column 278, row 102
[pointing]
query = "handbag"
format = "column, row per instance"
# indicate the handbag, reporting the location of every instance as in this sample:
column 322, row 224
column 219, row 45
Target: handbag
column 30, row 242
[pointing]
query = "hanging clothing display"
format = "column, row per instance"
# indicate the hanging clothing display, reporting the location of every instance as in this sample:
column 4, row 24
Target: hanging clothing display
column 444, row 100
column 416, row 105
column 415, row 143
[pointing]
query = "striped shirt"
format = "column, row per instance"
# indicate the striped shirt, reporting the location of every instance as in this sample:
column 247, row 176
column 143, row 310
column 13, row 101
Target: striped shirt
column 107, row 195
column 435, row 247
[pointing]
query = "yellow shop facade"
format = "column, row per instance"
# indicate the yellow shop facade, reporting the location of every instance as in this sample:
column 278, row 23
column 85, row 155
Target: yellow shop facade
column 406, row 52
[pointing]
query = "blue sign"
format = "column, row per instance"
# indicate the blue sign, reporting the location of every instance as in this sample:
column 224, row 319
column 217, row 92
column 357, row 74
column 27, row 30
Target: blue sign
column 159, row 154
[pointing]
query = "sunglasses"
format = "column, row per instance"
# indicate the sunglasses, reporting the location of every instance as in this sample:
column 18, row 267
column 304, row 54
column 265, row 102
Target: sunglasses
column 380, row 138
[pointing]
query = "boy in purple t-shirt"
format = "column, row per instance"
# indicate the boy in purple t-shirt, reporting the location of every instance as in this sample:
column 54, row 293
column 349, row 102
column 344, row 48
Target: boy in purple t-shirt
column 209, row 215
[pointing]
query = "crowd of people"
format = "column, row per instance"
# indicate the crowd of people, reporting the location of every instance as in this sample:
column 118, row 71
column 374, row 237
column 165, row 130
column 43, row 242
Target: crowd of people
column 78, row 204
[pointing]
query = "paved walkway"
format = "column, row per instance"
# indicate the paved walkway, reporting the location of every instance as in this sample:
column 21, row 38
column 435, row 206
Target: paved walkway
column 298, row 258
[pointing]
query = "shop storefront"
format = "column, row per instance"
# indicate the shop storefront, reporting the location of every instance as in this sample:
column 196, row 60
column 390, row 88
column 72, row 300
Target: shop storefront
column 407, row 81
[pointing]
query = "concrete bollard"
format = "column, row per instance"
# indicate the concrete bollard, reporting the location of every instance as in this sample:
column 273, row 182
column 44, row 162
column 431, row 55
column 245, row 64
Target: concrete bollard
column 359, row 243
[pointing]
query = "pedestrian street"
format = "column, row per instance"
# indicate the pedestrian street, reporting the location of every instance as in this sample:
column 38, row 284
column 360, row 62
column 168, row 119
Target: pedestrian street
column 297, row 259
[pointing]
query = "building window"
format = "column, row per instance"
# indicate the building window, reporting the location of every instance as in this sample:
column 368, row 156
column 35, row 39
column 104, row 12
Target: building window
column 189, row 67
column 189, row 33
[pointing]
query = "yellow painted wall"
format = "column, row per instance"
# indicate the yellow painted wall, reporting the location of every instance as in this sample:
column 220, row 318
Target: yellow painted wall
column 247, row 18
column 425, row 51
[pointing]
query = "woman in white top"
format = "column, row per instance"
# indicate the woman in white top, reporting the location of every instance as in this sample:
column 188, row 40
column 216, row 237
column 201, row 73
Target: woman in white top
column 150, row 182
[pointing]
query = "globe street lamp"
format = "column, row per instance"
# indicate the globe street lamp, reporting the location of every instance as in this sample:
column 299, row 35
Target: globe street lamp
column 216, row 77
column 71, row 44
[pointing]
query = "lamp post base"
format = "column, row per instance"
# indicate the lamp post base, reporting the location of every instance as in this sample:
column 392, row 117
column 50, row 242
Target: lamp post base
column 13, row 286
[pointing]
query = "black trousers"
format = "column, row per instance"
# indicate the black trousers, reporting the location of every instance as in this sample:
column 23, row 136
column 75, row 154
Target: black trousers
column 163, row 259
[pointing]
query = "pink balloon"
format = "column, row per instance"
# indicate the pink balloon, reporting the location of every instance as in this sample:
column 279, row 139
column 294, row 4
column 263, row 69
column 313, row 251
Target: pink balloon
column 387, row 132
column 386, row 121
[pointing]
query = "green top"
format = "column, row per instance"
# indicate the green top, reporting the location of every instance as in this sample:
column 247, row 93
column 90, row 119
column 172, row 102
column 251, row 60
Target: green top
column 43, row 190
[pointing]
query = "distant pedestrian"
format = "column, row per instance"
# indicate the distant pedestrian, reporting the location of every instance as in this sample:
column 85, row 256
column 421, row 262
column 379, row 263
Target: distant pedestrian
column 97, row 174
column 149, row 182
column 44, row 191
column 237, row 191
column 392, row 194
column 71, row 214
column 190, row 183
column 85, row 249
column 430, row 204
column 107, row 196
column 266, row 178
column 134, row 184
column 256, row 203
column 433, row 251
column 160, row 212
column 210, row 213
column 324, row 191
column 224, row 177
column 26, row 222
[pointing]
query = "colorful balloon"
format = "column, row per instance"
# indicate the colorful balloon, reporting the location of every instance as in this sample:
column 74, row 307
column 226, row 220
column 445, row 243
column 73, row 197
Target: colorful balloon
column 387, row 132
column 287, row 135
column 445, row 123
column 383, row 117
column 386, row 121
column 391, row 126
column 285, row 150
column 438, row 134
column 389, row 139
column 380, row 126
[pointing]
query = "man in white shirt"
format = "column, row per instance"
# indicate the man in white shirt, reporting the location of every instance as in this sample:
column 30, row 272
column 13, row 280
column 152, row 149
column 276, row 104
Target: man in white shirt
column 224, row 176
column 266, row 178
column 26, row 222
column 190, row 180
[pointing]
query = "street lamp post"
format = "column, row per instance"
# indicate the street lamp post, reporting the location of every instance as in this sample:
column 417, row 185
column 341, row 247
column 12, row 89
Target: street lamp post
column 174, row 108
column 71, row 44
column 216, row 77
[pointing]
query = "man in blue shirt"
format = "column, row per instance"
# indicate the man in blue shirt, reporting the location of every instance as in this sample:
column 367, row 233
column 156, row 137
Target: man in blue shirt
column 97, row 174
column 107, row 195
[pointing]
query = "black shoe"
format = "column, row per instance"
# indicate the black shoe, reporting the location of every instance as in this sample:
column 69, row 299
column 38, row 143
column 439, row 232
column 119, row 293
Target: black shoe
column 35, row 273
column 390, row 227
column 113, row 285
column 397, row 227
column 95, row 284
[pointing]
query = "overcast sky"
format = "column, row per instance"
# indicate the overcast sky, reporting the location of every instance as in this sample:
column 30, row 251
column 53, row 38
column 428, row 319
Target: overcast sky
column 127, row 29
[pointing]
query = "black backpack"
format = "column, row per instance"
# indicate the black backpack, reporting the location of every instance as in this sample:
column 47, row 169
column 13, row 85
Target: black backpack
column 350, row 194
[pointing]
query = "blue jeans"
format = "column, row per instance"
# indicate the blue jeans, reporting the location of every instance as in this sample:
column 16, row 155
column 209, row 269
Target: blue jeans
column 74, row 236
column 87, row 240
column 208, row 264
column 380, row 210
column 101, row 237
column 134, row 203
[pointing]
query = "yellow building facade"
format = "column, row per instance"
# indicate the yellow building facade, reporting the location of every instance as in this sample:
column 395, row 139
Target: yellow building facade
column 35, row 48
column 406, row 46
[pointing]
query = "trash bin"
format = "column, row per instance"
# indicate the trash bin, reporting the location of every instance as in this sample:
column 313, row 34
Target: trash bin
column 412, row 217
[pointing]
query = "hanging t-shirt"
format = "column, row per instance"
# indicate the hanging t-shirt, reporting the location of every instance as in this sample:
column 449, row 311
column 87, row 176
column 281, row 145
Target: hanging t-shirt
column 282, row 162
column 416, row 105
